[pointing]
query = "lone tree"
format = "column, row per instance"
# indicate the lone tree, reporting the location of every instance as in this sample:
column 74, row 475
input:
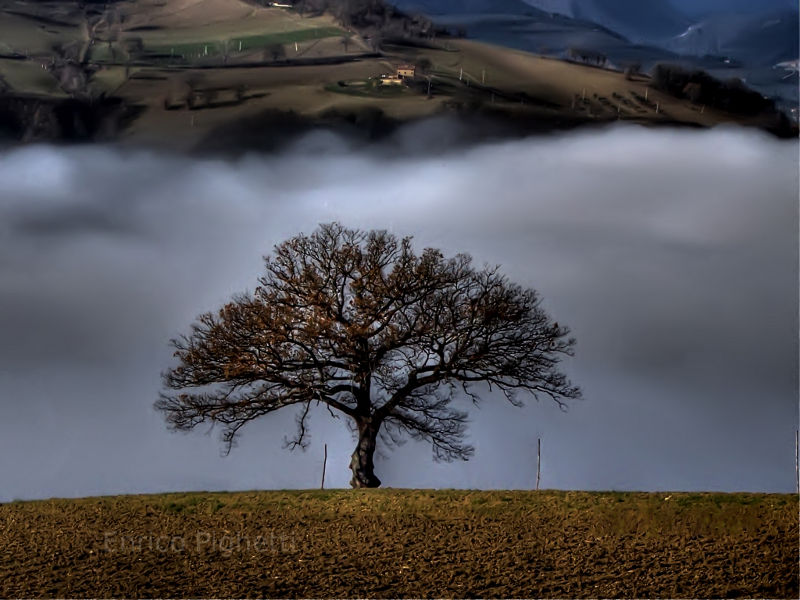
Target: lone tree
column 357, row 321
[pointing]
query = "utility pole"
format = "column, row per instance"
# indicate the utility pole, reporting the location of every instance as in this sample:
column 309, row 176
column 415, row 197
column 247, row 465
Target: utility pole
column 324, row 464
column 538, row 462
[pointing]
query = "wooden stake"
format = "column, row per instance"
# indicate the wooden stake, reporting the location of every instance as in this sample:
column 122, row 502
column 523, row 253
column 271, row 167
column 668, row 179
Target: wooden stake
column 538, row 462
column 797, row 459
column 324, row 464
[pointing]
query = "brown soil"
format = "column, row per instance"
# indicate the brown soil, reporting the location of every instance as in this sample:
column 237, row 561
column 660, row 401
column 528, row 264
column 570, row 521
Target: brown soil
column 391, row 543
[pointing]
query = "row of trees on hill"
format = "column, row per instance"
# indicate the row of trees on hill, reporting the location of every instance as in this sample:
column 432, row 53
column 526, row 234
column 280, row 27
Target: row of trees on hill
column 701, row 88
column 695, row 85
column 374, row 18
column 589, row 57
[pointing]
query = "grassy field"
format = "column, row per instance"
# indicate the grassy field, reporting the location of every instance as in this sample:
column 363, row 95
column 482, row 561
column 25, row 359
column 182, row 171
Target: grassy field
column 393, row 543
column 195, row 31
column 235, row 45
column 371, row 88
column 27, row 36
column 28, row 77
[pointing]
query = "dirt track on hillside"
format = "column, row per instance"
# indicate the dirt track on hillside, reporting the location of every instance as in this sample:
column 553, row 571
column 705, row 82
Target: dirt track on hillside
column 400, row 544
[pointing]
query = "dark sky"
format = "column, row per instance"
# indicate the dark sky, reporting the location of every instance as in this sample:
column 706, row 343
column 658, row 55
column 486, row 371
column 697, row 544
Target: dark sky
column 672, row 255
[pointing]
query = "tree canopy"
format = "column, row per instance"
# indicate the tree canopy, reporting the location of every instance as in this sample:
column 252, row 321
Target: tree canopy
column 359, row 322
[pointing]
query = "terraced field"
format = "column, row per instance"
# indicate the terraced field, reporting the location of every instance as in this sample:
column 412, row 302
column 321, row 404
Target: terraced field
column 402, row 543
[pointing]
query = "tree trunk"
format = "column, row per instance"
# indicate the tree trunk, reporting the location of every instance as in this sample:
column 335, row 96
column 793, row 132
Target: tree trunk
column 362, row 464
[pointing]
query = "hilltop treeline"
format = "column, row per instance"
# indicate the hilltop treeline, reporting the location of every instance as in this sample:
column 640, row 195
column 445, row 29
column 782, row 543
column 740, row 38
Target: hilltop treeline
column 374, row 18
column 701, row 88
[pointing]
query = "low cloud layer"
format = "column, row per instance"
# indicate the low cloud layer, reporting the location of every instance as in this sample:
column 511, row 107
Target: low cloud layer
column 671, row 255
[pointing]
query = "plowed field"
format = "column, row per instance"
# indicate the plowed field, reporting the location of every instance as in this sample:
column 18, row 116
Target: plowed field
column 402, row 543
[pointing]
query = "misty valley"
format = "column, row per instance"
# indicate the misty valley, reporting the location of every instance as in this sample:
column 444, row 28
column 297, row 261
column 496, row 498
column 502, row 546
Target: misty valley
column 340, row 298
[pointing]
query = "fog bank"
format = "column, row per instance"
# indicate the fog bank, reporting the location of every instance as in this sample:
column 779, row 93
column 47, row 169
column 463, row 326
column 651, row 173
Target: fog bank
column 671, row 255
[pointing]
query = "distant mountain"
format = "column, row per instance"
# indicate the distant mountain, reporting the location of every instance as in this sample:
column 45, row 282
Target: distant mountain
column 763, row 39
column 644, row 32
column 700, row 9
column 561, row 7
column 641, row 22
column 757, row 36
column 517, row 24
column 460, row 7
